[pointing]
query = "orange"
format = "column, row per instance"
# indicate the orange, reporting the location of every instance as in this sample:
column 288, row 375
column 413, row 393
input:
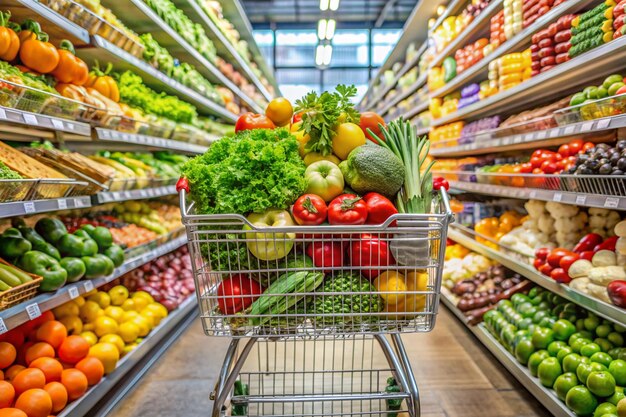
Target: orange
column 12, row 371
column 38, row 350
column 35, row 403
column 29, row 378
column 75, row 382
column 1, row 375
column 92, row 368
column 107, row 353
column 21, row 352
column 35, row 323
column 73, row 349
column 7, row 394
column 58, row 394
column 53, row 332
column 12, row 412
column 51, row 368
column 8, row 353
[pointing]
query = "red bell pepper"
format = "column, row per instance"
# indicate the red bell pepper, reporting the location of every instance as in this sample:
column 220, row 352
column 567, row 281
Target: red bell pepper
column 608, row 244
column 617, row 293
column 370, row 251
column 309, row 210
column 237, row 293
column 347, row 209
column 325, row 254
column 379, row 208
column 588, row 242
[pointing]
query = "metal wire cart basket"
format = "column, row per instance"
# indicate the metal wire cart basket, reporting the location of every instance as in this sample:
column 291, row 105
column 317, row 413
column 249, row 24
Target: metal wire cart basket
column 313, row 302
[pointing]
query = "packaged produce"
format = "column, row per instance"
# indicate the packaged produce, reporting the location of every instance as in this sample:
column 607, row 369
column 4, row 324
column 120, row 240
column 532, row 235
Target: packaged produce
column 496, row 30
column 513, row 17
column 469, row 55
column 592, row 29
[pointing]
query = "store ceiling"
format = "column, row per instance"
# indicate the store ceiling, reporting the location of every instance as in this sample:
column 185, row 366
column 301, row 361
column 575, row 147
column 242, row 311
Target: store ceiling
column 367, row 13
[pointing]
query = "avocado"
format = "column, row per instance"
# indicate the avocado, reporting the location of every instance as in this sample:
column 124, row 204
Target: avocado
column 373, row 169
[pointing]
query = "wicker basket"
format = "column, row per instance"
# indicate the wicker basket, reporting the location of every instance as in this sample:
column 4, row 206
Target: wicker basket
column 21, row 293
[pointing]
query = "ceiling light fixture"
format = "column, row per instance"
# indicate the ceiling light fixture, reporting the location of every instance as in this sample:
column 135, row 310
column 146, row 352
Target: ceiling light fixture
column 323, row 5
column 321, row 29
column 319, row 55
column 334, row 4
column 330, row 29
column 328, row 54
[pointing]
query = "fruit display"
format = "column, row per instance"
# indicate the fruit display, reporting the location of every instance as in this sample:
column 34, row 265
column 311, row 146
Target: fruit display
column 592, row 29
column 496, row 227
column 570, row 351
column 602, row 159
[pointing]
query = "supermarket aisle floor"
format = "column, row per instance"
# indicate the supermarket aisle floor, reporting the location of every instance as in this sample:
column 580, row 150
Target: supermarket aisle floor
column 456, row 377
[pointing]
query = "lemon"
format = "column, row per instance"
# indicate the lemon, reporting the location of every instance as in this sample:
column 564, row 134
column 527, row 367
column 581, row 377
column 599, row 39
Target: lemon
column 89, row 311
column 101, row 298
column 73, row 324
column 90, row 337
column 79, row 301
column 158, row 309
column 105, row 325
column 114, row 340
column 141, row 303
column 90, row 293
column 129, row 316
column 143, row 324
column 88, row 327
column 108, row 355
column 118, row 295
column 128, row 331
column 129, row 348
column 116, row 313
column 68, row 309
column 150, row 316
column 143, row 294
column 128, row 305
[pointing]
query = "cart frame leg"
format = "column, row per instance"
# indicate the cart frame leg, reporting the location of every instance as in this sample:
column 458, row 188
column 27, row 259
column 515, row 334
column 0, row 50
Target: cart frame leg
column 226, row 383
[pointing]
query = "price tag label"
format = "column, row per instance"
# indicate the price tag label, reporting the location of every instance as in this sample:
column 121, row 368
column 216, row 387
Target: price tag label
column 3, row 114
column 554, row 133
column 70, row 126
column 528, row 137
column 143, row 193
column 128, row 195
column 33, row 311
column 569, row 130
column 78, row 203
column 586, row 127
column 604, row 123
column 557, row 197
column 541, row 134
column 57, row 124
column 611, row 202
column 88, row 286
column 533, row 194
column 73, row 292
column 29, row 207
column 3, row 327
column 62, row 204
column 581, row 199
column 30, row 119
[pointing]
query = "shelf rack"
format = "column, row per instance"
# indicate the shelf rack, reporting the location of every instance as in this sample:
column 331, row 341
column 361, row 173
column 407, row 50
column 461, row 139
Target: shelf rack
column 137, row 139
column 563, row 78
column 42, row 121
column 465, row 237
column 415, row 110
column 224, row 48
column 478, row 71
column 30, row 309
column 104, row 51
column 403, row 95
column 483, row 143
column 520, row 372
column 142, row 18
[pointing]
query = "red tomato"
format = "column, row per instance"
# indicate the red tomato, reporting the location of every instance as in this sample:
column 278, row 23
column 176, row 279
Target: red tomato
column 549, row 167
column 564, row 150
column 567, row 261
column 555, row 256
column 542, row 253
column 588, row 145
column 297, row 117
column 587, row 255
column 537, row 153
column 309, row 210
column 250, row 121
column 237, row 293
column 546, row 269
column 325, row 254
column 379, row 208
column 347, row 209
column 575, row 146
column 558, row 157
column 526, row 168
column 536, row 162
column 371, row 120
column 560, row 276
column 538, row 263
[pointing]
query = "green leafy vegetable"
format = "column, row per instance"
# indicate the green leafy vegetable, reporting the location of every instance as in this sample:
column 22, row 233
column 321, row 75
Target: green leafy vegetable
column 7, row 173
column 321, row 115
column 250, row 172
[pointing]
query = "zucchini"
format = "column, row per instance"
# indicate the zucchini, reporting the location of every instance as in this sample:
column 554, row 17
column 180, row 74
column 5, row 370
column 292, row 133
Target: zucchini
column 23, row 276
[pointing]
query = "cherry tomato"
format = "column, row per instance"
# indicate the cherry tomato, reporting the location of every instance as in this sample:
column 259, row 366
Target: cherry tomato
column 371, row 120
column 542, row 253
column 251, row 121
column 568, row 260
column 545, row 269
column 297, row 117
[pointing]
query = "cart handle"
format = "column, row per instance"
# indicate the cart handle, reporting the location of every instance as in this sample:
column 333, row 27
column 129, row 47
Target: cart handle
column 182, row 184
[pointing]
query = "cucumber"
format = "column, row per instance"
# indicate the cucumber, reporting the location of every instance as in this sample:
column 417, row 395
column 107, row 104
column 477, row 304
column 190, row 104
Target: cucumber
column 9, row 279
column 4, row 287
column 23, row 276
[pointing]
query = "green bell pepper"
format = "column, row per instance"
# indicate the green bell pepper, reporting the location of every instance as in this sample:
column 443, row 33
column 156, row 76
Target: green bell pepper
column 12, row 247
column 95, row 267
column 38, row 263
column 116, row 253
column 71, row 245
column 12, row 231
column 75, row 268
column 110, row 266
column 51, row 229
column 90, row 247
column 102, row 236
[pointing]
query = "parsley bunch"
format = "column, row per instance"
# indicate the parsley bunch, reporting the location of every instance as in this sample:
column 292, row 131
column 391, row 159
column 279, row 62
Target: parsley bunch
column 322, row 114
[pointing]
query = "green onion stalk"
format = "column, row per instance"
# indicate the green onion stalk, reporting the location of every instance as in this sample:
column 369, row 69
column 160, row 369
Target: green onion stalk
column 400, row 138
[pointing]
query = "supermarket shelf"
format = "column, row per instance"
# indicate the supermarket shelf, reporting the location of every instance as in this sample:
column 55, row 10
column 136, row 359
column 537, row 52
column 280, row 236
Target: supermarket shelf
column 422, row 131
column 24, row 208
column 563, row 78
column 235, row 13
column 479, row 25
column 104, row 51
column 224, row 48
column 57, row 26
column 549, row 137
column 117, row 196
column 416, row 110
column 451, row 10
column 41, row 121
column 139, row 360
column 149, row 141
column 566, row 197
column 403, row 95
column 28, row 310
column 610, row 312
column 143, row 19
column 478, row 71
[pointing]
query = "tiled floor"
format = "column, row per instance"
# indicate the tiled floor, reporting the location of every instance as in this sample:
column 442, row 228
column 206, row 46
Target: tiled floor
column 455, row 374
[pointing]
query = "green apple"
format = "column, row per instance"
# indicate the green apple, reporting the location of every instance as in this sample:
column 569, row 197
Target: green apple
column 269, row 246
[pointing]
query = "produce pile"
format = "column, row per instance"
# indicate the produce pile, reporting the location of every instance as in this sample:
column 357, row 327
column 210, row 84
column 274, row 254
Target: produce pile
column 298, row 174
column 51, row 361
column 569, row 350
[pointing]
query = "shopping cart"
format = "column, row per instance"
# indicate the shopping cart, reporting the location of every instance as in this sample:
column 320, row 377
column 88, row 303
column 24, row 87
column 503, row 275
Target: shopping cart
column 331, row 345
